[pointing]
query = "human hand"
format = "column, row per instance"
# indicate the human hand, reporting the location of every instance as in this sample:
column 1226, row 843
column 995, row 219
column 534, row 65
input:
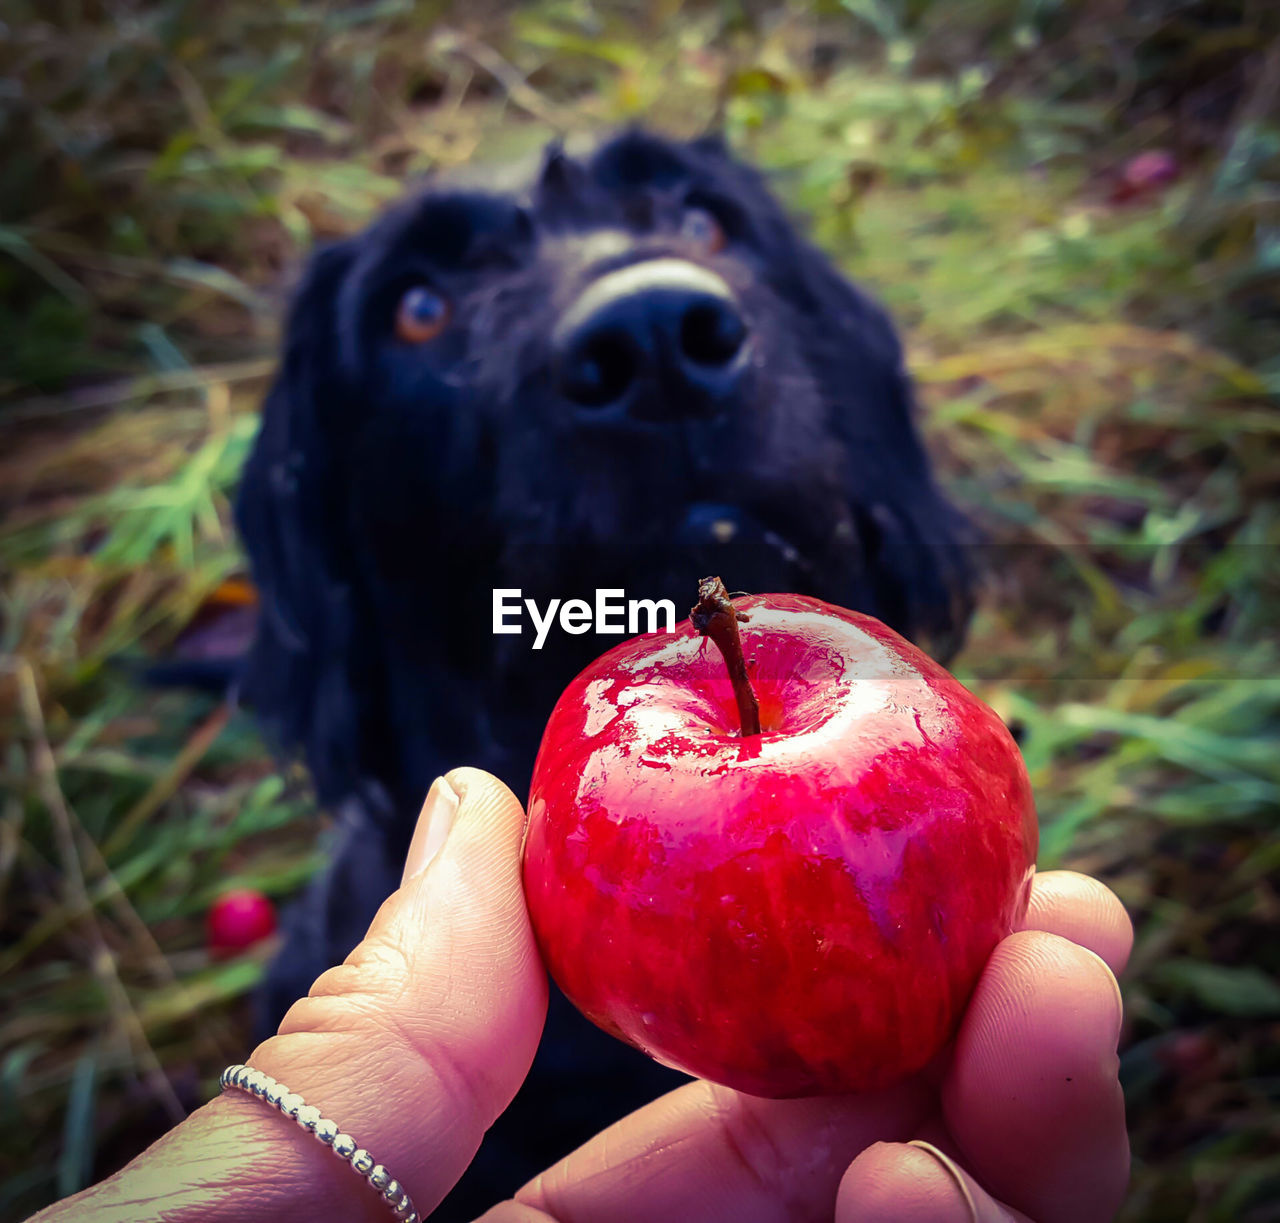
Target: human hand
column 420, row 1040
column 1022, row 1118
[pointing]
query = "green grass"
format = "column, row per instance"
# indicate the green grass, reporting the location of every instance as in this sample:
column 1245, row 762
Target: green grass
column 1098, row 383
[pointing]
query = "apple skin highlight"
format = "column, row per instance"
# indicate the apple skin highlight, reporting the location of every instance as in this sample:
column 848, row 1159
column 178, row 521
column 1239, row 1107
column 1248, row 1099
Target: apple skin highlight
column 804, row 911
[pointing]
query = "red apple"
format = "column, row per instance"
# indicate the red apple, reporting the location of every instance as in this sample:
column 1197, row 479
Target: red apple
column 238, row 919
column 801, row 911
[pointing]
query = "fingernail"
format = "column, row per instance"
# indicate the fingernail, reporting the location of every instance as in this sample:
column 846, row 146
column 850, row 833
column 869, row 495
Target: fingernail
column 956, row 1175
column 434, row 822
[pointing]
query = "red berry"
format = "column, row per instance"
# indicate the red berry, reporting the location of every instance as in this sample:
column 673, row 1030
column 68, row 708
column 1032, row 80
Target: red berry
column 804, row 910
column 238, row 919
column 1145, row 174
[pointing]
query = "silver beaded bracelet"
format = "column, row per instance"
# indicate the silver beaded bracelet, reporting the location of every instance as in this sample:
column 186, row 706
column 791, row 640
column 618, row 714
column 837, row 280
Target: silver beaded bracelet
column 255, row 1083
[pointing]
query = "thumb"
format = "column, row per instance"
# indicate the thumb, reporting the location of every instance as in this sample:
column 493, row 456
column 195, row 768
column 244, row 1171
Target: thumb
column 421, row 1038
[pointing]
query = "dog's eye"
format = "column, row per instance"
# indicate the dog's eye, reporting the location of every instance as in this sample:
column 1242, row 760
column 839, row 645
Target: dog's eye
column 422, row 315
column 702, row 229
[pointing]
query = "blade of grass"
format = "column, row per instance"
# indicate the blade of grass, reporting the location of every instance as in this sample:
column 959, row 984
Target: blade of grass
column 75, row 1166
column 165, row 786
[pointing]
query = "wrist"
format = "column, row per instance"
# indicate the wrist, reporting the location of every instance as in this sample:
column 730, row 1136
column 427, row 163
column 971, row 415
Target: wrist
column 234, row 1160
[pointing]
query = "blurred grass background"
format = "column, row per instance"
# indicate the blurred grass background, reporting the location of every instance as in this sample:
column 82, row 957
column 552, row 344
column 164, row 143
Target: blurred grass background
column 1095, row 339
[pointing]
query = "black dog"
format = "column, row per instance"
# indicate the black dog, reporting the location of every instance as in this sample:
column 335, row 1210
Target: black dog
column 629, row 373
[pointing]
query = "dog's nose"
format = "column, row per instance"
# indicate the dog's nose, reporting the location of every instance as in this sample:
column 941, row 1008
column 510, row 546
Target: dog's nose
column 664, row 324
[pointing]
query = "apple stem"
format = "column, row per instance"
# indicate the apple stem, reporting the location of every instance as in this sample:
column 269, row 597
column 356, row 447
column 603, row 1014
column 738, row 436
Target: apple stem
column 716, row 617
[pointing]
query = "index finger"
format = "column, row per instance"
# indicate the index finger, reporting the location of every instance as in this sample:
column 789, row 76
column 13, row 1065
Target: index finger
column 1033, row 1099
column 707, row 1154
column 1084, row 910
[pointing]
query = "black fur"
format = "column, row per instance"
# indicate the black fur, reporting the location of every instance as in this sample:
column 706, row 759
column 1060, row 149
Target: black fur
column 393, row 486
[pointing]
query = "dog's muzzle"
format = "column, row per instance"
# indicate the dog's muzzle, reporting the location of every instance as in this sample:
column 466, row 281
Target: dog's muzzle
column 663, row 339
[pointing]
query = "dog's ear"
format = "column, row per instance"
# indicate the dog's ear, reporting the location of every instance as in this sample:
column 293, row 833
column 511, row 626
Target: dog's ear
column 918, row 546
column 712, row 142
column 292, row 521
